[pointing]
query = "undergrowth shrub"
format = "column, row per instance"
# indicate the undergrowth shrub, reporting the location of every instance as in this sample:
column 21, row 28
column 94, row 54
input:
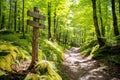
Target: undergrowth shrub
column 16, row 40
column 51, row 51
column 87, row 47
column 8, row 37
column 107, row 54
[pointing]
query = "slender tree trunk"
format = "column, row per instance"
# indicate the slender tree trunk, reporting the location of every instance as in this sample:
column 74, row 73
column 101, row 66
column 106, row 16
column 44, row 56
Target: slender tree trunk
column 101, row 21
column 15, row 16
column 60, row 35
column 19, row 29
column 66, row 37
column 106, row 21
column 23, row 31
column 3, row 21
column 116, row 31
column 119, row 8
column 49, row 20
column 0, row 13
column 55, row 22
column 56, row 28
column 9, row 22
column 119, row 13
column 100, row 40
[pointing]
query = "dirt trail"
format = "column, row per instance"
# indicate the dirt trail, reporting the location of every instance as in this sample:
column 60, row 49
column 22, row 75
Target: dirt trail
column 77, row 67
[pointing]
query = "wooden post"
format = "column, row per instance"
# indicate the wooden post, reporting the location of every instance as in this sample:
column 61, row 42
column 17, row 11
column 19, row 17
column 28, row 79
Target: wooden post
column 35, row 42
column 35, row 38
column 35, row 23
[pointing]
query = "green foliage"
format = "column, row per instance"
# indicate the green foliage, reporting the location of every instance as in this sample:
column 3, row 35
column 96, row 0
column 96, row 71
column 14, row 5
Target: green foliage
column 15, row 39
column 51, row 51
column 107, row 54
column 8, row 37
column 94, row 49
column 33, row 77
column 89, row 47
column 2, row 75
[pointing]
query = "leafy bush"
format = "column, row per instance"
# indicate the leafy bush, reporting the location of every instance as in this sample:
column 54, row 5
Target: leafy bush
column 23, row 43
column 87, row 47
column 15, row 39
column 51, row 51
column 8, row 37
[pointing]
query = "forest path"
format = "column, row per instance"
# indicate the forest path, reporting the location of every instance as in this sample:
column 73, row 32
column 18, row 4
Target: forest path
column 77, row 67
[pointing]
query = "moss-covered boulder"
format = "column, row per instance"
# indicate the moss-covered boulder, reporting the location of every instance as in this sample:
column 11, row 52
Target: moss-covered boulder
column 107, row 54
column 9, row 55
column 43, row 70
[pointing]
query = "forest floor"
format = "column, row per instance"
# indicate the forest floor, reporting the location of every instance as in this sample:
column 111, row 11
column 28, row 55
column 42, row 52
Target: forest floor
column 77, row 67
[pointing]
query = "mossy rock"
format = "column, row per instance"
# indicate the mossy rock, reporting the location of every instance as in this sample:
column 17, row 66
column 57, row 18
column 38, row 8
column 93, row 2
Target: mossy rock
column 8, row 55
column 43, row 70
column 107, row 54
column 32, row 77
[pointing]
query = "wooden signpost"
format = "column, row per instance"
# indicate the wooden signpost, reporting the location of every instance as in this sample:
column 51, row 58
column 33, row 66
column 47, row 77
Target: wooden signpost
column 35, row 24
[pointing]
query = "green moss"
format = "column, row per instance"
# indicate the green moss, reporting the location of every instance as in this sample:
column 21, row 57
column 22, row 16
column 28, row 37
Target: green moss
column 86, row 52
column 1, row 73
column 88, row 47
column 32, row 77
column 107, row 54
column 94, row 49
column 8, row 56
column 43, row 71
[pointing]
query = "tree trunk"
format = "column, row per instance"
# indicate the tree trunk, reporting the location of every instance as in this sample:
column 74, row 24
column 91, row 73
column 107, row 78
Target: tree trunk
column 119, row 8
column 9, row 22
column 101, row 21
column 15, row 16
column 49, row 20
column 0, row 13
column 55, row 23
column 100, row 40
column 23, row 31
column 3, row 22
column 116, row 31
column 19, row 29
column 56, row 28
column 119, row 13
